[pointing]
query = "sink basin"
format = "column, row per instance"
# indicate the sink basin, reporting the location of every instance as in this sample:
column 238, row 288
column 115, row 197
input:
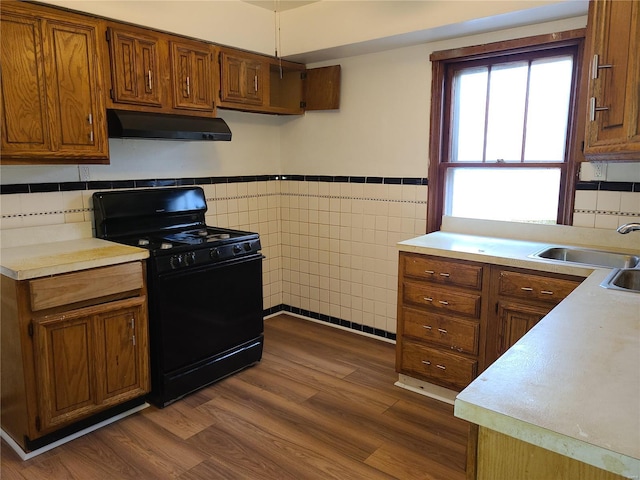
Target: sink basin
column 586, row 256
column 627, row 279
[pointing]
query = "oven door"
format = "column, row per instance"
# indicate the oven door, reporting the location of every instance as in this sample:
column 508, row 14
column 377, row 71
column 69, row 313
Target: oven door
column 198, row 313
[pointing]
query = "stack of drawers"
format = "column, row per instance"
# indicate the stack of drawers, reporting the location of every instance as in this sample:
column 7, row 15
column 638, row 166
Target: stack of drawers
column 439, row 310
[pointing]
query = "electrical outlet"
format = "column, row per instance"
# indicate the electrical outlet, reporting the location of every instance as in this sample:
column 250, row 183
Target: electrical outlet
column 598, row 170
column 83, row 173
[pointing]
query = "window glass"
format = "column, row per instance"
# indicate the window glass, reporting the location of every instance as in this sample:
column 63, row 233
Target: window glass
column 470, row 100
column 509, row 194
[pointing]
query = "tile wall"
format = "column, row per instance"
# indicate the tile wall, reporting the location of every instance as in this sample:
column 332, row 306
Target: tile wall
column 329, row 242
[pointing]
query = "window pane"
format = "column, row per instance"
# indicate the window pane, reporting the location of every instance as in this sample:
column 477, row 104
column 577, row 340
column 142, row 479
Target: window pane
column 548, row 111
column 507, row 97
column 509, row 194
column 470, row 100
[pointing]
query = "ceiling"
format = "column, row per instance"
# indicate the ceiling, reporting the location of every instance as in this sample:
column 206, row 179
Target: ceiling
column 279, row 5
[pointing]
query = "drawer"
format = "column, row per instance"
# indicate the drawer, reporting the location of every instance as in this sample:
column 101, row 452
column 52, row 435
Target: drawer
column 85, row 285
column 457, row 335
column 441, row 299
column 534, row 287
column 438, row 366
column 442, row 271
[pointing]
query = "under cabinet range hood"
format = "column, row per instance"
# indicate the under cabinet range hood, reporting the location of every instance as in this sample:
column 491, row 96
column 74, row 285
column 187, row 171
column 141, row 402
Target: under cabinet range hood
column 129, row 124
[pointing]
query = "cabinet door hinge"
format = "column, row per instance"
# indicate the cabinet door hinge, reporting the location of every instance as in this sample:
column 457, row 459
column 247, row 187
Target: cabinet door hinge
column 303, row 104
column 582, row 147
column 30, row 329
column 303, row 75
column 38, row 423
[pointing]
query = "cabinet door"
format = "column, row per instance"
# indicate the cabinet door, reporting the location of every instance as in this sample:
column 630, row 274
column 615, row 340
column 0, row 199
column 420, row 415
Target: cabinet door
column 192, row 75
column 613, row 126
column 23, row 112
column 241, row 80
column 122, row 351
column 135, row 75
column 65, row 369
column 514, row 320
column 322, row 88
column 73, row 92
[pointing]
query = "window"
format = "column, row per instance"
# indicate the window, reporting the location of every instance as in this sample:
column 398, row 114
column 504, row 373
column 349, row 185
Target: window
column 504, row 147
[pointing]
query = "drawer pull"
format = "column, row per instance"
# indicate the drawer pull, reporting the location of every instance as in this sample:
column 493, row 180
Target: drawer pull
column 546, row 292
column 442, row 331
column 426, row 362
column 445, row 275
column 443, row 302
column 430, row 272
column 442, row 367
column 428, row 299
column 428, row 327
column 526, row 289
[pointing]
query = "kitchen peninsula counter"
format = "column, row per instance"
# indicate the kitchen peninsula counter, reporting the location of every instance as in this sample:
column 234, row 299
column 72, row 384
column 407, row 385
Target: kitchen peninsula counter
column 571, row 385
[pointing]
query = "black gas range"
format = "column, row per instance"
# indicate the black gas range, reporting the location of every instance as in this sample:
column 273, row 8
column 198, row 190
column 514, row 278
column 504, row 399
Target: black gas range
column 204, row 286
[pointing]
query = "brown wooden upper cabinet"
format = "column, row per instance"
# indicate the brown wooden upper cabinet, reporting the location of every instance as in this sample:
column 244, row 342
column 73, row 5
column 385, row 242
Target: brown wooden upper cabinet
column 135, row 66
column 192, row 75
column 613, row 122
column 52, row 96
column 264, row 84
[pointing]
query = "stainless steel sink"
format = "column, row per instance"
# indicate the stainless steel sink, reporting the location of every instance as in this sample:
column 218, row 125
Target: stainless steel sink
column 587, row 256
column 626, row 279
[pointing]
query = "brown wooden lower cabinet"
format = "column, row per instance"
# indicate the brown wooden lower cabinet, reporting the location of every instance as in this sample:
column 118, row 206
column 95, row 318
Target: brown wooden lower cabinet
column 86, row 353
column 501, row 457
column 456, row 317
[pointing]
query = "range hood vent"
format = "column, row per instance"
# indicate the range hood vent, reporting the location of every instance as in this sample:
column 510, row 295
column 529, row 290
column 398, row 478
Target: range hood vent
column 127, row 124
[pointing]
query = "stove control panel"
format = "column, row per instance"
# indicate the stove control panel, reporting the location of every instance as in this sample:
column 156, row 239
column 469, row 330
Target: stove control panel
column 206, row 255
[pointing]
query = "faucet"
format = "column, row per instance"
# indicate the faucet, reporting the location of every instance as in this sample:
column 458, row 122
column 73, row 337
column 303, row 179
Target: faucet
column 628, row 227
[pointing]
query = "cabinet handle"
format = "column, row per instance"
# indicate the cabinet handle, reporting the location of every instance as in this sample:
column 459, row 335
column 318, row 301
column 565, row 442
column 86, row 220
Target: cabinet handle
column 428, row 327
column 428, row 299
column 430, row 272
column 595, row 67
column 526, row 289
column 444, row 275
column 442, row 331
column 593, row 109
column 149, row 80
column 443, row 302
column 426, row 362
column 133, row 340
column 90, row 119
column 441, row 367
column 91, row 136
column 188, row 89
column 546, row 292
column 255, row 83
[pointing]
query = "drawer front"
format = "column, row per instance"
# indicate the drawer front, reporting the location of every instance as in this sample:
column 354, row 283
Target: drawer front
column 443, row 271
column 85, row 285
column 534, row 287
column 441, row 299
column 457, row 335
column 440, row 367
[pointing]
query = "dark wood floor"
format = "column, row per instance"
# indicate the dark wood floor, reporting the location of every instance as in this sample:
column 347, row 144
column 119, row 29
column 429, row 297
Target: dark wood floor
column 321, row 404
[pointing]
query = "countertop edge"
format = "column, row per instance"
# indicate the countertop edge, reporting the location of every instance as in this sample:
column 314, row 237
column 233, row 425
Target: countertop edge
column 585, row 452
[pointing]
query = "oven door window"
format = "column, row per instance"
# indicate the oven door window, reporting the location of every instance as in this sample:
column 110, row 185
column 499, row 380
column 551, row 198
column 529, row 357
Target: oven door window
column 203, row 312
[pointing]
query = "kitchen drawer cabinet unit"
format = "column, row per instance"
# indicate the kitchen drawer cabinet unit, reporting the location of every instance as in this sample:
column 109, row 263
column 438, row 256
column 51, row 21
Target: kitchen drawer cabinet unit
column 613, row 123
column 52, row 97
column 73, row 345
column 440, row 307
column 520, row 299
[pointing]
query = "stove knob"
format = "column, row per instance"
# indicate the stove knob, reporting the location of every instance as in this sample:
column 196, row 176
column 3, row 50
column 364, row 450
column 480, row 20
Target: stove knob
column 176, row 261
column 237, row 249
column 214, row 253
column 190, row 258
column 247, row 247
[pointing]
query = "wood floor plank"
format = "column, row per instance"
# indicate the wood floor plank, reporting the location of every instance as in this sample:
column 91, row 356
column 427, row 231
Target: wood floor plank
column 320, row 405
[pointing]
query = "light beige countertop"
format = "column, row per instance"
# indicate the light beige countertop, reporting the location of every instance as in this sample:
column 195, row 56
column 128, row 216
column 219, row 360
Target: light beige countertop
column 44, row 259
column 572, row 383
